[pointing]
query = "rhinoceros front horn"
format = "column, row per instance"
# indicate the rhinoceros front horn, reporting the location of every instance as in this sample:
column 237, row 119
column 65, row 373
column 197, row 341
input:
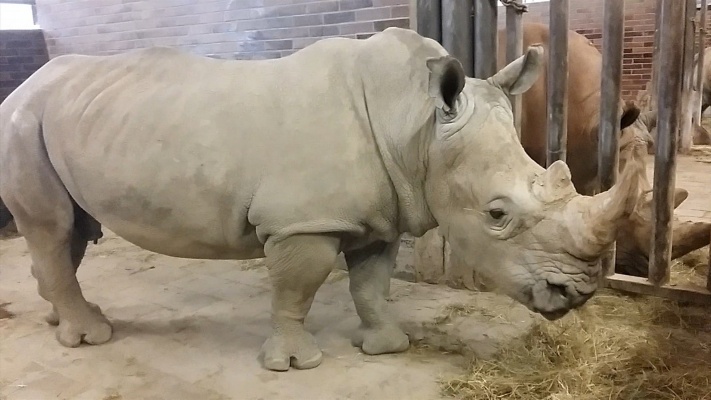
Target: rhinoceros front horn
column 603, row 212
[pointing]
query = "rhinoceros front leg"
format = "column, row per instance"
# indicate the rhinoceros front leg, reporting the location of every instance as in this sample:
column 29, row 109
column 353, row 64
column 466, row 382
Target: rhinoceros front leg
column 370, row 270
column 297, row 267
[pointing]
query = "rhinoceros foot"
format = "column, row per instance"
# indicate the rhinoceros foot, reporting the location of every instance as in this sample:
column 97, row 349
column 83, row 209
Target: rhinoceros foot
column 381, row 340
column 52, row 317
column 297, row 349
column 92, row 328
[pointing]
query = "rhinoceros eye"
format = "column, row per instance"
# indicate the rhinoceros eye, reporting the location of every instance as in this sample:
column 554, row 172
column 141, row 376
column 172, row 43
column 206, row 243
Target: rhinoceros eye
column 496, row 213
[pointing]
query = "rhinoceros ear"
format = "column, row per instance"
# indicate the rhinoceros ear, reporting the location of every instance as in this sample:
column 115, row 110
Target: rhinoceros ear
column 446, row 81
column 630, row 112
column 649, row 119
column 521, row 74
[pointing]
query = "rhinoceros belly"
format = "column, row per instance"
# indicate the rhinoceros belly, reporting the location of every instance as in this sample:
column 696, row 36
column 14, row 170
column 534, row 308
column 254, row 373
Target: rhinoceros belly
column 171, row 195
column 180, row 222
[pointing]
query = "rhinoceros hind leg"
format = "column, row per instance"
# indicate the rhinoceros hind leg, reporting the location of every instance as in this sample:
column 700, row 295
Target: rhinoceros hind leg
column 86, row 229
column 44, row 215
column 52, row 266
column 297, row 267
column 370, row 270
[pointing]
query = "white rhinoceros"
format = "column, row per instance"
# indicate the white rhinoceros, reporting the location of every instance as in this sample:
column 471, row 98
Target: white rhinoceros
column 340, row 147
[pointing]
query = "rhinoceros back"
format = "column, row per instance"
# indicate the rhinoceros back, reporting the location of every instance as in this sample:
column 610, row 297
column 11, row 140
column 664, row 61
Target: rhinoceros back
column 198, row 157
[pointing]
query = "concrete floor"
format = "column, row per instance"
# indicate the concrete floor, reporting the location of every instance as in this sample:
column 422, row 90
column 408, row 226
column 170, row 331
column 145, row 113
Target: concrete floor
column 693, row 173
column 187, row 329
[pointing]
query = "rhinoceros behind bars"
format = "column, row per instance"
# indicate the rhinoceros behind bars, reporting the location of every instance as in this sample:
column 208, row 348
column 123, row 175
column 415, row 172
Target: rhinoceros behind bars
column 340, row 147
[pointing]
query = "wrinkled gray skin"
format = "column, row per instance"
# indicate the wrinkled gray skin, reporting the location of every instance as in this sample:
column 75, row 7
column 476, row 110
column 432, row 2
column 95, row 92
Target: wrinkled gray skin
column 341, row 147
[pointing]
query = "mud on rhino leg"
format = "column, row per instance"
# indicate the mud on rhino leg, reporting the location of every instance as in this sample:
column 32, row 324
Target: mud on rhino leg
column 86, row 229
column 297, row 266
column 370, row 270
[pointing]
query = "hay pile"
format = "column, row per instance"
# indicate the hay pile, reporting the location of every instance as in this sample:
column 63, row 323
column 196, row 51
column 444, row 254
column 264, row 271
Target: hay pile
column 616, row 347
column 691, row 268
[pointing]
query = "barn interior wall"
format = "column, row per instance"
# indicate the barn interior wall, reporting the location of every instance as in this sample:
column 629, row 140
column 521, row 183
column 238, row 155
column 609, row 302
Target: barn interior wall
column 233, row 29
column 257, row 29
column 586, row 18
column 22, row 53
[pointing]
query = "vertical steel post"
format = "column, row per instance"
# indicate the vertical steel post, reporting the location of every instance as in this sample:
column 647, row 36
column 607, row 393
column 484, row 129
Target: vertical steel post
column 485, row 38
column 708, row 274
column 608, row 144
column 700, row 61
column 514, row 50
column 457, row 31
column 557, row 110
column 655, row 58
column 686, row 131
column 671, row 35
column 429, row 19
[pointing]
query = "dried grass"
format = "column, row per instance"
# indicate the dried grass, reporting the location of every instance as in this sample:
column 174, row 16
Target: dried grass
column 616, row 347
column 691, row 269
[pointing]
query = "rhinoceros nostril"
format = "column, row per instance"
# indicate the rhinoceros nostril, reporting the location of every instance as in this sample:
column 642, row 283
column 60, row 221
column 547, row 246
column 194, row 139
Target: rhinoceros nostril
column 558, row 289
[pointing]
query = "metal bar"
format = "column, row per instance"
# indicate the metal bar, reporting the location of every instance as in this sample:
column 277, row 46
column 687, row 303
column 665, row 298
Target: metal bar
column 679, row 292
column 514, row 50
column 608, row 144
column 686, row 129
column 655, row 58
column 708, row 273
column 671, row 34
column 429, row 19
column 557, row 102
column 485, row 38
column 457, row 31
column 700, row 62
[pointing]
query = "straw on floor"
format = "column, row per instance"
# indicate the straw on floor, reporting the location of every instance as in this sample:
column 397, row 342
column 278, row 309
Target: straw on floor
column 616, row 347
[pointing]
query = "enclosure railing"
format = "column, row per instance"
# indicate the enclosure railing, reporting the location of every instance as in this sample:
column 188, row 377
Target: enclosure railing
column 474, row 42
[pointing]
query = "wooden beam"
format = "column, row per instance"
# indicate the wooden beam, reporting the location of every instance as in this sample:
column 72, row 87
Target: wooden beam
column 640, row 285
column 671, row 34
column 655, row 58
column 686, row 127
column 708, row 273
column 557, row 102
column 608, row 144
column 700, row 62
column 485, row 38
column 514, row 50
column 457, row 32
column 412, row 14
column 429, row 19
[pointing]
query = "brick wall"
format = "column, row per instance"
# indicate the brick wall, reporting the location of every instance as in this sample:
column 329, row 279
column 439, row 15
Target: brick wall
column 21, row 54
column 253, row 29
column 586, row 17
column 240, row 29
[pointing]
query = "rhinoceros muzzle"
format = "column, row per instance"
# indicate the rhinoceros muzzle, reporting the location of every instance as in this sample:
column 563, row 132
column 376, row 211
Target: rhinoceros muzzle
column 553, row 315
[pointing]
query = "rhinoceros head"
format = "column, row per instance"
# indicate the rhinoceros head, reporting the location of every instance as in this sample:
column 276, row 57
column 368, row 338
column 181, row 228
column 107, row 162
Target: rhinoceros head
column 523, row 228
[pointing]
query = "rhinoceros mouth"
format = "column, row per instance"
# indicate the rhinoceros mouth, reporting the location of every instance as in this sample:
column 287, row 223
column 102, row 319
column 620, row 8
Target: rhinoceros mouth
column 554, row 315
